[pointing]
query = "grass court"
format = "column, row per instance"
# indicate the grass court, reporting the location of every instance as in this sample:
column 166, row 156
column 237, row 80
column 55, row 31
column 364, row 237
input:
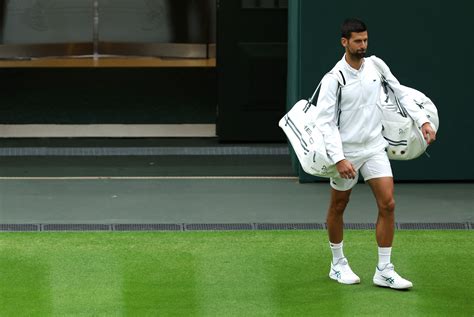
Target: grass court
column 251, row 273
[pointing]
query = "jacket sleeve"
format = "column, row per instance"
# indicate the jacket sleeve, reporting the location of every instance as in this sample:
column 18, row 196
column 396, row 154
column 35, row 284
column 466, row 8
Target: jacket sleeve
column 325, row 118
column 402, row 94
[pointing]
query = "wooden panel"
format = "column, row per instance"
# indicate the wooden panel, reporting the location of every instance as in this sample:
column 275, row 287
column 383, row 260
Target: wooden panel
column 109, row 62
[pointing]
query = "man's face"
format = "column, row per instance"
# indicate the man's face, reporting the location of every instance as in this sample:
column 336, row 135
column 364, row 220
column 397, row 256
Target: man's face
column 356, row 46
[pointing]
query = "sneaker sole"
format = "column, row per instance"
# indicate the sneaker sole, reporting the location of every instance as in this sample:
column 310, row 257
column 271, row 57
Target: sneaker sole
column 385, row 284
column 342, row 282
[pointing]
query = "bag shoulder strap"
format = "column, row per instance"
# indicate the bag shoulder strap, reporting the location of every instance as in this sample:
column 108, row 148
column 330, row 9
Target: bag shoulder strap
column 340, row 79
column 342, row 82
column 378, row 67
column 378, row 64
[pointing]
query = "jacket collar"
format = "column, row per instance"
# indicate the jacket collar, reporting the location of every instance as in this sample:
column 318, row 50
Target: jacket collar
column 350, row 69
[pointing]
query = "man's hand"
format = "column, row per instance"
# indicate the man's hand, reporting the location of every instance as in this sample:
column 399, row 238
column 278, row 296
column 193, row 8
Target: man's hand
column 346, row 169
column 428, row 133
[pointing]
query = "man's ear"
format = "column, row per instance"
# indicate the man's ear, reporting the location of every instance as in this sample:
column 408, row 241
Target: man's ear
column 344, row 42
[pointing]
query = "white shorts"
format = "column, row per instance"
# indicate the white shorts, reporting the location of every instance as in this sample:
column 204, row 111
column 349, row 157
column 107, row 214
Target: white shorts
column 370, row 165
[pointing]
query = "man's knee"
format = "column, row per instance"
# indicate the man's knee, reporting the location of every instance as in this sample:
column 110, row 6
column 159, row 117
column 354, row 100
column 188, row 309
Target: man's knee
column 387, row 206
column 339, row 205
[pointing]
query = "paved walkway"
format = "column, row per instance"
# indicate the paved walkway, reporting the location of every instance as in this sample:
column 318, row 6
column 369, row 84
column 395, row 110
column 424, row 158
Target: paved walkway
column 216, row 200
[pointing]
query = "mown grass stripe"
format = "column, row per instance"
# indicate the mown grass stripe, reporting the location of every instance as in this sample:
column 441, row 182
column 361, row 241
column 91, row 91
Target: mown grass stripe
column 246, row 273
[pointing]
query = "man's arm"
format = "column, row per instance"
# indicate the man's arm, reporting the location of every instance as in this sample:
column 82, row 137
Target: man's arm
column 325, row 118
column 325, row 121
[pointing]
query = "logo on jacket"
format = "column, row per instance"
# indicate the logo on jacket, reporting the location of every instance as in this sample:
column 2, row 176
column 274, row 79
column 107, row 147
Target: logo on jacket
column 402, row 131
column 419, row 104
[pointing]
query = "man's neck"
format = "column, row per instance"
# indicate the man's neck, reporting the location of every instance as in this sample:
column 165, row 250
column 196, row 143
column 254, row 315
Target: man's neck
column 354, row 61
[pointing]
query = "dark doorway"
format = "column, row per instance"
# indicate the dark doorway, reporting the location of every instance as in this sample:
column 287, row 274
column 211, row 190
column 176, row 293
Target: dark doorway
column 251, row 69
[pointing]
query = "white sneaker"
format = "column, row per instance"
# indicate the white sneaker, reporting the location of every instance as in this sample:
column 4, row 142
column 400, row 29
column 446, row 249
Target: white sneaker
column 387, row 277
column 341, row 272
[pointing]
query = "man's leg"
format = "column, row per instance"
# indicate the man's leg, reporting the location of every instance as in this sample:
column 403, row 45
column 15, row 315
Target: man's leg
column 334, row 219
column 340, row 269
column 385, row 274
column 383, row 192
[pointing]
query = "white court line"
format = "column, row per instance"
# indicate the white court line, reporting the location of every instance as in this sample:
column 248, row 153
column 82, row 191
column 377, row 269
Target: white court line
column 154, row 178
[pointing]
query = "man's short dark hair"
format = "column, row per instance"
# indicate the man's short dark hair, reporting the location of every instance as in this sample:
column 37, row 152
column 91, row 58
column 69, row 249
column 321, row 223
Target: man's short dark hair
column 352, row 25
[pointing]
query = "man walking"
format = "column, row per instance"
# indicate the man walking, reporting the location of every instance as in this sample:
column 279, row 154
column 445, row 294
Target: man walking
column 354, row 142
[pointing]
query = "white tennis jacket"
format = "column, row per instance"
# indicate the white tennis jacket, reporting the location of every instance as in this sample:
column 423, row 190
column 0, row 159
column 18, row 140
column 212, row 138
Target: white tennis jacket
column 359, row 119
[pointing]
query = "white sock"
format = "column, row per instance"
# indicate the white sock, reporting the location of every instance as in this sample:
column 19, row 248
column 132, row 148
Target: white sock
column 384, row 257
column 337, row 252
